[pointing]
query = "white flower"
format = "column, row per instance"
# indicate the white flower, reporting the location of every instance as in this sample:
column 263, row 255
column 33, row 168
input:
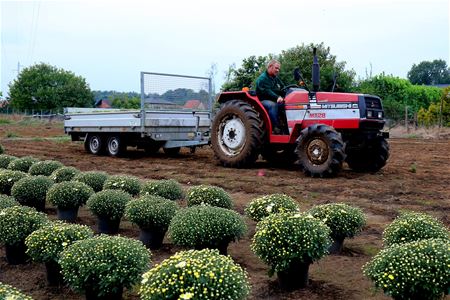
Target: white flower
column 269, row 207
column 181, row 264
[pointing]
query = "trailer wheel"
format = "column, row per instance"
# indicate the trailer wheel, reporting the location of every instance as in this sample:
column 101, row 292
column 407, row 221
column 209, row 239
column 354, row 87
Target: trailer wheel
column 237, row 134
column 116, row 146
column 370, row 157
column 94, row 143
column 320, row 151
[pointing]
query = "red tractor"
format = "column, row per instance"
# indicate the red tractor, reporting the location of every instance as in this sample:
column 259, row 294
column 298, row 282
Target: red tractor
column 322, row 130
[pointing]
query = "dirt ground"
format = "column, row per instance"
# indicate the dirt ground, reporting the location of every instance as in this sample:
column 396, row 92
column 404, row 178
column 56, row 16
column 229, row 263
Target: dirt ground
column 416, row 177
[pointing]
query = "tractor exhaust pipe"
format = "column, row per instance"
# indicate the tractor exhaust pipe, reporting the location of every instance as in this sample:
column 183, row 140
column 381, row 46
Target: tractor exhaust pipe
column 315, row 72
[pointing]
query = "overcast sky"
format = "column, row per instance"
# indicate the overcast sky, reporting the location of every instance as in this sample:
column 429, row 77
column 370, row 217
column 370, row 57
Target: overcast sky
column 110, row 42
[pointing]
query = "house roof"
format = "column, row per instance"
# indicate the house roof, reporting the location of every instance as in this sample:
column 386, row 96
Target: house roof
column 102, row 101
column 193, row 104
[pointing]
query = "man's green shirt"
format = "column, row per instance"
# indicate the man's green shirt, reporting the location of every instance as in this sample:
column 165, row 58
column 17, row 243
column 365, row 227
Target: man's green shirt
column 269, row 88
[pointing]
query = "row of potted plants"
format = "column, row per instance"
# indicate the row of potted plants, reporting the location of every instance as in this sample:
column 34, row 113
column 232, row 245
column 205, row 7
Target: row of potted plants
column 102, row 266
column 280, row 223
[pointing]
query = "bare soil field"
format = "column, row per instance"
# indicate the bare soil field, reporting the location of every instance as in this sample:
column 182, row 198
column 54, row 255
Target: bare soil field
column 416, row 177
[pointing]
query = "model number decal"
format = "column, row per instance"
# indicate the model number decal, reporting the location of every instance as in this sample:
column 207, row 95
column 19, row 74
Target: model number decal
column 339, row 105
column 317, row 115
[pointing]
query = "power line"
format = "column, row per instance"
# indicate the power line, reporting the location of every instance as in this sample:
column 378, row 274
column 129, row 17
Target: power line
column 33, row 30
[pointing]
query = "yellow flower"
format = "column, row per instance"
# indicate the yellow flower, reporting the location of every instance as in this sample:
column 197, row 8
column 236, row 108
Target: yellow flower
column 186, row 296
column 391, row 277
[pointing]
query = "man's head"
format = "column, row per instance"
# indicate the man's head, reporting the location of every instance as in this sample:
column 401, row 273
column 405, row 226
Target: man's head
column 273, row 67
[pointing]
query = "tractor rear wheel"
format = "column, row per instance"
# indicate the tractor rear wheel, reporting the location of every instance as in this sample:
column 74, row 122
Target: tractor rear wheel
column 237, row 134
column 320, row 151
column 370, row 157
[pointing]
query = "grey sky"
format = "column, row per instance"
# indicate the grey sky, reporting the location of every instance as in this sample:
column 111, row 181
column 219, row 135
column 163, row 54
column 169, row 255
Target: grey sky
column 110, row 42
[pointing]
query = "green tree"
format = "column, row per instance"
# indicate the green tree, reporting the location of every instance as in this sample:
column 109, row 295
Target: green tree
column 296, row 57
column 246, row 75
column 302, row 57
column 430, row 72
column 431, row 115
column 397, row 93
column 124, row 101
column 45, row 87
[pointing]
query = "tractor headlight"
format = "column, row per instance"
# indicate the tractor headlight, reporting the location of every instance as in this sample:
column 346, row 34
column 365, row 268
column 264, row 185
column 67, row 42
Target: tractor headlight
column 380, row 115
column 369, row 114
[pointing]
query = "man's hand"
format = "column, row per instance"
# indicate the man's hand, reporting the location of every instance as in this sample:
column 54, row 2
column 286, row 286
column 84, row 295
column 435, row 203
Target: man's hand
column 280, row 100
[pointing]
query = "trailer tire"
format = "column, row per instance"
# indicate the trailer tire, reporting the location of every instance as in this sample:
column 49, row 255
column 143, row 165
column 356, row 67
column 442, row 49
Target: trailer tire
column 237, row 134
column 320, row 151
column 369, row 158
column 94, row 143
column 116, row 146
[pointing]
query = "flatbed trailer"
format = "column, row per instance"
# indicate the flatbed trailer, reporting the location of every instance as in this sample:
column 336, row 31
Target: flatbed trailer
column 175, row 112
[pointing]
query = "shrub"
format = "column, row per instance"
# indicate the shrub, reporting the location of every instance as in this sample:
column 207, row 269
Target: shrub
column 94, row 179
column 151, row 212
column 10, row 292
column 7, row 201
column 8, row 178
column 22, row 164
column 343, row 220
column 31, row 190
column 64, row 174
column 46, row 243
column 5, row 159
column 17, row 222
column 1, row 149
column 126, row 183
column 414, row 226
column 109, row 203
column 261, row 207
column 169, row 189
column 69, row 194
column 210, row 195
column 203, row 275
column 105, row 263
column 45, row 167
column 206, row 226
column 285, row 237
column 415, row 270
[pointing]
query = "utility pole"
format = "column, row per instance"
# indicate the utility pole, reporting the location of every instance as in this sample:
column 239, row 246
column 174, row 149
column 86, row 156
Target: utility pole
column 18, row 68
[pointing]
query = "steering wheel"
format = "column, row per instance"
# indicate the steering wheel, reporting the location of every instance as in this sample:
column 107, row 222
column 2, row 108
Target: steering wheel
column 290, row 86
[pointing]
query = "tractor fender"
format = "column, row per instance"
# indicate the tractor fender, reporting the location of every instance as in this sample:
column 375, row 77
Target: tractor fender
column 248, row 97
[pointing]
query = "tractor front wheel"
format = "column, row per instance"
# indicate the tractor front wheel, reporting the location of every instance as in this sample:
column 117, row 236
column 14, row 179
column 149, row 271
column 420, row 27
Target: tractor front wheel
column 320, row 151
column 237, row 134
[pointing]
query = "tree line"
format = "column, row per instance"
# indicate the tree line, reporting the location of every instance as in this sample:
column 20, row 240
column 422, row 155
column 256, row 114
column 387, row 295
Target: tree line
column 45, row 87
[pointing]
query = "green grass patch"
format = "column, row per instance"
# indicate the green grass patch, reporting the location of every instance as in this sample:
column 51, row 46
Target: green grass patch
column 369, row 250
column 62, row 139
column 5, row 121
column 10, row 134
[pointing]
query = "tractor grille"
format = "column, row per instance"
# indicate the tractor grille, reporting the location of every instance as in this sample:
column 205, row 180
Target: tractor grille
column 372, row 103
